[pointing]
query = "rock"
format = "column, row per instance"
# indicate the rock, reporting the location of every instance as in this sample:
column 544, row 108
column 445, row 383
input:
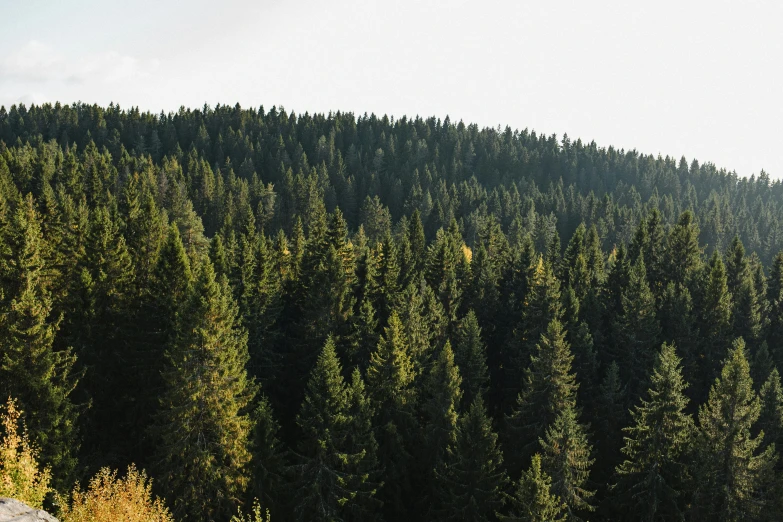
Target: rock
column 14, row 511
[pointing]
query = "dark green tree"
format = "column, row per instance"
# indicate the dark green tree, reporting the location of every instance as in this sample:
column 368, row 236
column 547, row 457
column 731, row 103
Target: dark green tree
column 470, row 357
column 732, row 473
column 470, row 481
column 533, row 500
column 651, row 481
column 204, row 426
column 566, row 458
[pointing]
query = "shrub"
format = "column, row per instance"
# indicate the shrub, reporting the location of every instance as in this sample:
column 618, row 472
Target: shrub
column 20, row 476
column 112, row 499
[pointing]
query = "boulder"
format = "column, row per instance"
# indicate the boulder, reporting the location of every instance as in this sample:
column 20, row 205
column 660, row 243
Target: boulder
column 14, row 511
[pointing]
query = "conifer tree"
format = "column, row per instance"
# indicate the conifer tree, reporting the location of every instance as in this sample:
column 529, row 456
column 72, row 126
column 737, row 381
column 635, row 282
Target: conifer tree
column 775, row 300
column 683, row 254
column 533, row 500
column 390, row 380
column 608, row 412
column 332, row 471
column 651, row 479
column 714, row 324
column 32, row 369
column 443, row 395
column 566, row 458
column 771, row 415
column 636, row 330
column 732, row 473
column 203, row 426
column 268, row 462
column 470, row 357
column 470, row 481
column 549, row 389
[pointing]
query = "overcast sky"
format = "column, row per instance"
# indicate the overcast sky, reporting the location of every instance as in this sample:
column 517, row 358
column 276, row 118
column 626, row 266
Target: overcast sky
column 700, row 79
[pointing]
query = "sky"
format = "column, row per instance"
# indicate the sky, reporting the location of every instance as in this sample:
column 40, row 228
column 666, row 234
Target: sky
column 700, row 79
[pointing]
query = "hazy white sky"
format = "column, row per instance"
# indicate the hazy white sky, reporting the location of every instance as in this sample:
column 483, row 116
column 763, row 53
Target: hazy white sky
column 694, row 78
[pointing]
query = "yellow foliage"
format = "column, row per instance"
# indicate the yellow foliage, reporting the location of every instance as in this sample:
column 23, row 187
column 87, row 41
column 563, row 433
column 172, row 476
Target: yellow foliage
column 112, row 499
column 255, row 516
column 467, row 252
column 20, row 477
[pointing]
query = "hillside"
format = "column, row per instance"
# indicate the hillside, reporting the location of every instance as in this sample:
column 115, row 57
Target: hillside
column 354, row 317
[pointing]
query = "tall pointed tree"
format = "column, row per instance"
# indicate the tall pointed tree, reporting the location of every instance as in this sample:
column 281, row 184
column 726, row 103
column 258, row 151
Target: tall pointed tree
column 390, row 381
column 566, row 458
column 470, row 357
column 732, row 472
column 549, row 389
column 636, row 330
column 533, row 500
column 471, row 480
column 652, row 478
column 32, row 370
column 204, row 426
column 332, row 473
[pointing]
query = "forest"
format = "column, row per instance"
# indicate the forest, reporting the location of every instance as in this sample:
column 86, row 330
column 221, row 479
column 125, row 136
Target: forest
column 227, row 313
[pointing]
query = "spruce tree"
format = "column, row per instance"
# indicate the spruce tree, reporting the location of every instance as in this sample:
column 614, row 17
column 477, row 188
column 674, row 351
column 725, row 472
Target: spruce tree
column 651, row 480
column 470, row 357
column 566, row 458
column 636, row 330
column 732, row 473
column 471, row 480
column 390, row 381
column 203, row 426
column 533, row 500
column 683, row 254
column 268, row 464
column 714, row 325
column 32, row 370
column 775, row 300
column 333, row 454
column 549, row 389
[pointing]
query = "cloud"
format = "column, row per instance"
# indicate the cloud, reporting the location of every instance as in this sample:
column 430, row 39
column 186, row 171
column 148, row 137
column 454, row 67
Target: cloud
column 39, row 63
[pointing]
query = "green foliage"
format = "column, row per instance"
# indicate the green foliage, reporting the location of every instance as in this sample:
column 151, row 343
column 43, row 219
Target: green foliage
column 533, row 500
column 549, row 389
column 732, row 471
column 566, row 458
column 32, row 368
column 652, row 478
column 471, row 480
column 394, row 238
column 203, row 426
column 336, row 451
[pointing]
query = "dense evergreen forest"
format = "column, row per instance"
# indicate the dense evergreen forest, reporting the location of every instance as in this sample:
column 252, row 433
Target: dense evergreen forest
column 360, row 318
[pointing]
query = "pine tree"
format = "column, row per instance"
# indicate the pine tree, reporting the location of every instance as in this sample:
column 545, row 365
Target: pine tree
column 390, row 380
column 775, row 300
column 549, row 389
column 533, row 500
column 268, row 462
column 636, row 330
column 203, row 426
column 683, row 254
column 98, row 324
column 732, row 473
column 440, row 406
column 470, row 481
column 32, row 369
column 714, row 325
column 470, row 356
column 771, row 416
column 332, row 469
column 651, row 479
column 566, row 458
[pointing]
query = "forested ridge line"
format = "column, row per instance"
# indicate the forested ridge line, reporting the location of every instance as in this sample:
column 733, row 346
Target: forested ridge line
column 360, row 318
